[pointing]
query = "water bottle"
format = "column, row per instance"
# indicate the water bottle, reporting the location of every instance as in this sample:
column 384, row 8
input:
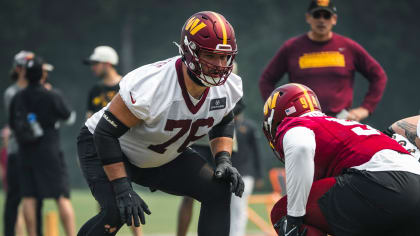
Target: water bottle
column 35, row 126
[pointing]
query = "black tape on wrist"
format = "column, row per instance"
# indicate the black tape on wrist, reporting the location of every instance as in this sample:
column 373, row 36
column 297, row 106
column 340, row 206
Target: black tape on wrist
column 222, row 156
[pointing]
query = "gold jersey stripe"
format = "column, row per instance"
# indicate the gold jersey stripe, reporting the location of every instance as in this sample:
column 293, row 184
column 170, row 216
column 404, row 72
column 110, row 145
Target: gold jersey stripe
column 223, row 27
column 305, row 92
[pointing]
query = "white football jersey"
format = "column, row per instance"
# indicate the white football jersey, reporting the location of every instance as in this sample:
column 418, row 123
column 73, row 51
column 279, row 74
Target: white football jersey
column 156, row 93
column 411, row 148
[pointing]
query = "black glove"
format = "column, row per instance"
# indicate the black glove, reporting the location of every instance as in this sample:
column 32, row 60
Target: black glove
column 225, row 170
column 131, row 206
column 290, row 226
column 389, row 131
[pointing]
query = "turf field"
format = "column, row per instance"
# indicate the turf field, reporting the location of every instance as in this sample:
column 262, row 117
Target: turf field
column 162, row 221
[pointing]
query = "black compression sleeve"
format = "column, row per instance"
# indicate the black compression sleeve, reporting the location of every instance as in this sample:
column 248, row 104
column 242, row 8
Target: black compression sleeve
column 106, row 135
column 224, row 129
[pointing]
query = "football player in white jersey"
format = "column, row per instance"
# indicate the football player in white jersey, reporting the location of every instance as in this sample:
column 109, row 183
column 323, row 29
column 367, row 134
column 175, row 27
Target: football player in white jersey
column 407, row 132
column 143, row 135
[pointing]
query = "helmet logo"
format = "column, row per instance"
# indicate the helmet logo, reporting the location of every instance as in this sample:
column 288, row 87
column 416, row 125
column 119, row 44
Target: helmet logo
column 193, row 27
column 271, row 103
column 323, row 3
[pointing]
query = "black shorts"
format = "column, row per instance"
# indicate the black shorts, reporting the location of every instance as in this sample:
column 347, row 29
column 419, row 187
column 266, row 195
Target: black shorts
column 44, row 181
column 373, row 203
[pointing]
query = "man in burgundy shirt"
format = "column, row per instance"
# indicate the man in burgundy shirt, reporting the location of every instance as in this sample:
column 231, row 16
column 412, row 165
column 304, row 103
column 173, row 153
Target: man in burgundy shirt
column 326, row 62
column 343, row 177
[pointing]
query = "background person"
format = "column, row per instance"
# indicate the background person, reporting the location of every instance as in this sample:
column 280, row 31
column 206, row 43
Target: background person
column 346, row 182
column 102, row 62
column 326, row 62
column 13, row 216
column 247, row 159
column 41, row 173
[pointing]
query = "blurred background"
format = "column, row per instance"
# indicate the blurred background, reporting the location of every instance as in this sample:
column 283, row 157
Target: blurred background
column 65, row 32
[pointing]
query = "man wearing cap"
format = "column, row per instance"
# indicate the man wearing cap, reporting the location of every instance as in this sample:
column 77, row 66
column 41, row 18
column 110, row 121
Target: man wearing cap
column 13, row 197
column 326, row 62
column 102, row 62
column 41, row 174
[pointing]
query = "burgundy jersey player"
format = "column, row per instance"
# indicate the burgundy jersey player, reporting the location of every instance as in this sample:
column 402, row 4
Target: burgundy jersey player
column 342, row 177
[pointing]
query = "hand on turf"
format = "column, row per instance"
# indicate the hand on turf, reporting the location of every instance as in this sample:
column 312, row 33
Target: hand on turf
column 130, row 204
column 225, row 170
column 290, row 226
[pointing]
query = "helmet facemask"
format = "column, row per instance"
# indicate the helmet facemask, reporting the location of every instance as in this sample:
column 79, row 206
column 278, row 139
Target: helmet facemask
column 212, row 75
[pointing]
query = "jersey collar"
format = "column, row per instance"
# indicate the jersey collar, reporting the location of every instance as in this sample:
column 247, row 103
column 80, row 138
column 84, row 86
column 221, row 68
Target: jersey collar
column 193, row 109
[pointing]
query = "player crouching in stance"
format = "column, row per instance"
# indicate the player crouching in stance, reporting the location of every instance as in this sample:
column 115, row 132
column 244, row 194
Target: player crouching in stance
column 143, row 135
column 342, row 177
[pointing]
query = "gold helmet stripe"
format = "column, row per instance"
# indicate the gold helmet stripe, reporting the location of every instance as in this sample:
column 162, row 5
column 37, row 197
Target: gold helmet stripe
column 222, row 23
column 274, row 100
column 305, row 92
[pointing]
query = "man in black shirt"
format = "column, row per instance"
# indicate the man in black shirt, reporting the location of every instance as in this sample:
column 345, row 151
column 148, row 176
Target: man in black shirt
column 41, row 171
column 102, row 62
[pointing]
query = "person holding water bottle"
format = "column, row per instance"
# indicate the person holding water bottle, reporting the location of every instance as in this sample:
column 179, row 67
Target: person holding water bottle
column 41, row 171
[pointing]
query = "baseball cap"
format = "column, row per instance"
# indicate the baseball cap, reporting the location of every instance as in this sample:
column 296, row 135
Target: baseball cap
column 48, row 67
column 102, row 54
column 22, row 57
column 326, row 5
column 34, row 69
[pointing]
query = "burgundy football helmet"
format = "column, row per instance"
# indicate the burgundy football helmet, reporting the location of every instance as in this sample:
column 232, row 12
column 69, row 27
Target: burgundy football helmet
column 289, row 100
column 211, row 32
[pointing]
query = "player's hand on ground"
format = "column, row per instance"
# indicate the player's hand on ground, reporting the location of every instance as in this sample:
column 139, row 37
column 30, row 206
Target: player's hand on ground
column 129, row 203
column 225, row 170
column 290, row 226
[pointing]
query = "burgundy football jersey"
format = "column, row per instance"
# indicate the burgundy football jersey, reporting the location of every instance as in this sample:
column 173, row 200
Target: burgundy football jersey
column 340, row 144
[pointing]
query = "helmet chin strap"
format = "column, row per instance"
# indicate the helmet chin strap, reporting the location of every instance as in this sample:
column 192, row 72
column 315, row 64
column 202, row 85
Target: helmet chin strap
column 195, row 79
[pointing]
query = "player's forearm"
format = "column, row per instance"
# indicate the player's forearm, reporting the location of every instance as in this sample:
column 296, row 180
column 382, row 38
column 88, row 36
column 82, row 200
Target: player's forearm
column 408, row 128
column 115, row 170
column 221, row 144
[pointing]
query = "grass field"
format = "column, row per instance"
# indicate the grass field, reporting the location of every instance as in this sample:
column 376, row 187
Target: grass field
column 163, row 219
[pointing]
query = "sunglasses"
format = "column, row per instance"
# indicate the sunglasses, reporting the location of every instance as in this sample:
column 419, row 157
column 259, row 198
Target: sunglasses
column 324, row 14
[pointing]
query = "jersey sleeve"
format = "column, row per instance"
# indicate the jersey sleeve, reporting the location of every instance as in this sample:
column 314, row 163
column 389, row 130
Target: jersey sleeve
column 299, row 151
column 136, row 91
